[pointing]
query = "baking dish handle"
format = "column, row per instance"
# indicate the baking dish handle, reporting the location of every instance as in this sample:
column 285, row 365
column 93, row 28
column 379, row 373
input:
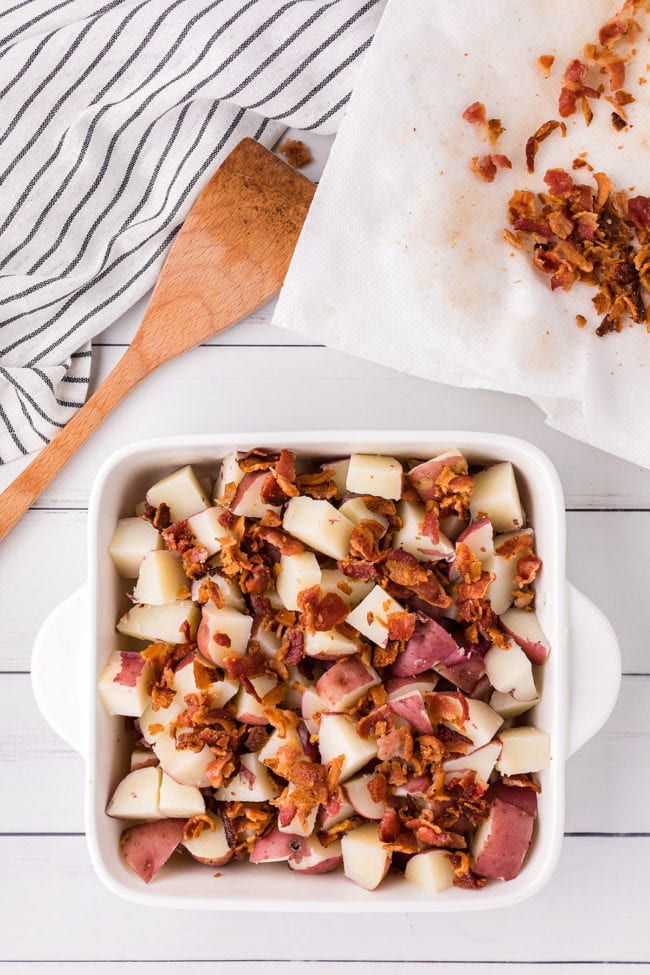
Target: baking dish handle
column 595, row 669
column 58, row 669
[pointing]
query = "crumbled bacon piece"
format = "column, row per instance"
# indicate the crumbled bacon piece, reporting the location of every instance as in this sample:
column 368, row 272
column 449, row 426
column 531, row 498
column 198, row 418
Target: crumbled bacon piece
column 295, row 152
column 538, row 137
column 197, row 825
column 389, row 826
column 354, row 569
column 159, row 517
column 319, row 485
column 401, row 626
column 364, row 541
column 475, row 114
column 486, row 167
column 397, row 743
column 178, row 537
column 545, row 62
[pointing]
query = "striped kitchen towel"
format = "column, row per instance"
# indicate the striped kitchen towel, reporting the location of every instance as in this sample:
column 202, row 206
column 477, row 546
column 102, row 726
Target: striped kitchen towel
column 114, row 116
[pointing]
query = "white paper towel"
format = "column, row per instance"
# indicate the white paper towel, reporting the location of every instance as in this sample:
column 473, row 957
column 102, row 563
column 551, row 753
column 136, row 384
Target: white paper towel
column 402, row 258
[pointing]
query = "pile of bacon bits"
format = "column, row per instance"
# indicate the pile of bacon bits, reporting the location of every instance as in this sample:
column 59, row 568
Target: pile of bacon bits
column 338, row 669
column 592, row 235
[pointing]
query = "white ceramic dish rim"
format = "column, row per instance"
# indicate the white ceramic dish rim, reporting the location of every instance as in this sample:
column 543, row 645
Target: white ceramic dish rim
column 577, row 672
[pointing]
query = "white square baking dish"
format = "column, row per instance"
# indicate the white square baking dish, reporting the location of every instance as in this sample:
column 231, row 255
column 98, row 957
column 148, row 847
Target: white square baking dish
column 580, row 679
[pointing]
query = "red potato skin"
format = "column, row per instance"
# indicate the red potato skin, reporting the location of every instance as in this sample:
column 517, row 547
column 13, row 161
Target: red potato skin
column 247, row 483
column 466, row 676
column 522, row 797
column 430, row 644
column 412, row 709
column 504, row 849
column 274, row 846
column 339, row 680
column 325, row 866
column 423, row 477
column 148, row 846
column 216, row 862
column 536, row 652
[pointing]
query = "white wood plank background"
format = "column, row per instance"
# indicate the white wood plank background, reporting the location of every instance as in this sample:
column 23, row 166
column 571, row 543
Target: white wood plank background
column 55, row 917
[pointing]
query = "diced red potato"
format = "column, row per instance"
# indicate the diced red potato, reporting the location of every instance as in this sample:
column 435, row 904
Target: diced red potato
column 351, row 591
column 411, row 708
column 480, row 760
column 376, row 475
column 232, row 594
column 357, row 510
column 182, row 764
column 132, row 539
column 296, row 685
column 423, row 477
column 415, row 787
column 523, row 797
column 510, row 671
column 270, row 752
column 336, row 810
column 452, row 526
column 177, row 800
column 320, row 525
column 431, row 870
column 154, row 724
column 208, row 530
column 275, row 847
column 269, row 642
column 345, row 683
column 148, row 846
column 223, row 632
column 524, row 749
column 160, row 579
column 479, row 538
column 181, row 491
column 211, row 845
column 329, row 645
column 142, row 758
column 502, row 841
column 229, row 473
column 312, row 857
column 297, row 573
column 340, row 475
column 136, row 796
column 248, row 498
column 247, row 706
column 523, row 626
column 312, row 704
column 360, row 799
column 496, row 496
column 161, row 623
column 123, row 683
column 251, row 784
column 410, row 537
column 466, row 675
column 508, row 707
column 502, row 587
column 339, row 736
column 365, row 861
column 184, row 683
column 294, row 824
column 482, row 723
column 397, row 686
column 429, row 645
column 370, row 617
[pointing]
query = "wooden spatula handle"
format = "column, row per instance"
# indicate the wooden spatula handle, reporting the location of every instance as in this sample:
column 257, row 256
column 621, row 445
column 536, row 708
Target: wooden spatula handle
column 23, row 491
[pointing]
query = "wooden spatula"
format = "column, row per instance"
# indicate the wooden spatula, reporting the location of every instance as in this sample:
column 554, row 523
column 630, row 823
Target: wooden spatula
column 230, row 256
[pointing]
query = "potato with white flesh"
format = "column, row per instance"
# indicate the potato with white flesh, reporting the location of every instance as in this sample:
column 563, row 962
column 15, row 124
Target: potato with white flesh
column 271, row 752
column 501, row 842
column 357, row 510
column 269, row 642
column 148, row 846
column 137, row 795
column 430, row 644
column 431, row 870
column 275, row 847
column 501, row 592
column 160, row 580
column 132, row 539
column 311, row 705
column 524, row 749
column 232, row 594
column 247, row 706
column 142, row 758
column 510, row 671
column 480, row 760
column 223, row 632
column 329, row 645
column 479, row 538
column 297, row 573
column 398, row 686
column 496, row 497
column 361, row 800
column 482, row 722
column 290, row 822
column 181, row 492
column 336, row 810
column 320, row 525
column 339, row 475
column 248, row 499
column 523, row 626
column 410, row 538
column 161, row 623
column 345, row 683
column 308, row 855
column 208, row 530
column 123, row 683
column 370, row 617
column 211, row 845
column 411, row 708
column 229, row 473
column 423, row 477
column 251, row 784
column 338, row 736
column 351, row 591
column 182, row 764
column 179, row 800
column 219, row 692
column 508, row 707
column 375, row 475
column 153, row 724
column 365, row 861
